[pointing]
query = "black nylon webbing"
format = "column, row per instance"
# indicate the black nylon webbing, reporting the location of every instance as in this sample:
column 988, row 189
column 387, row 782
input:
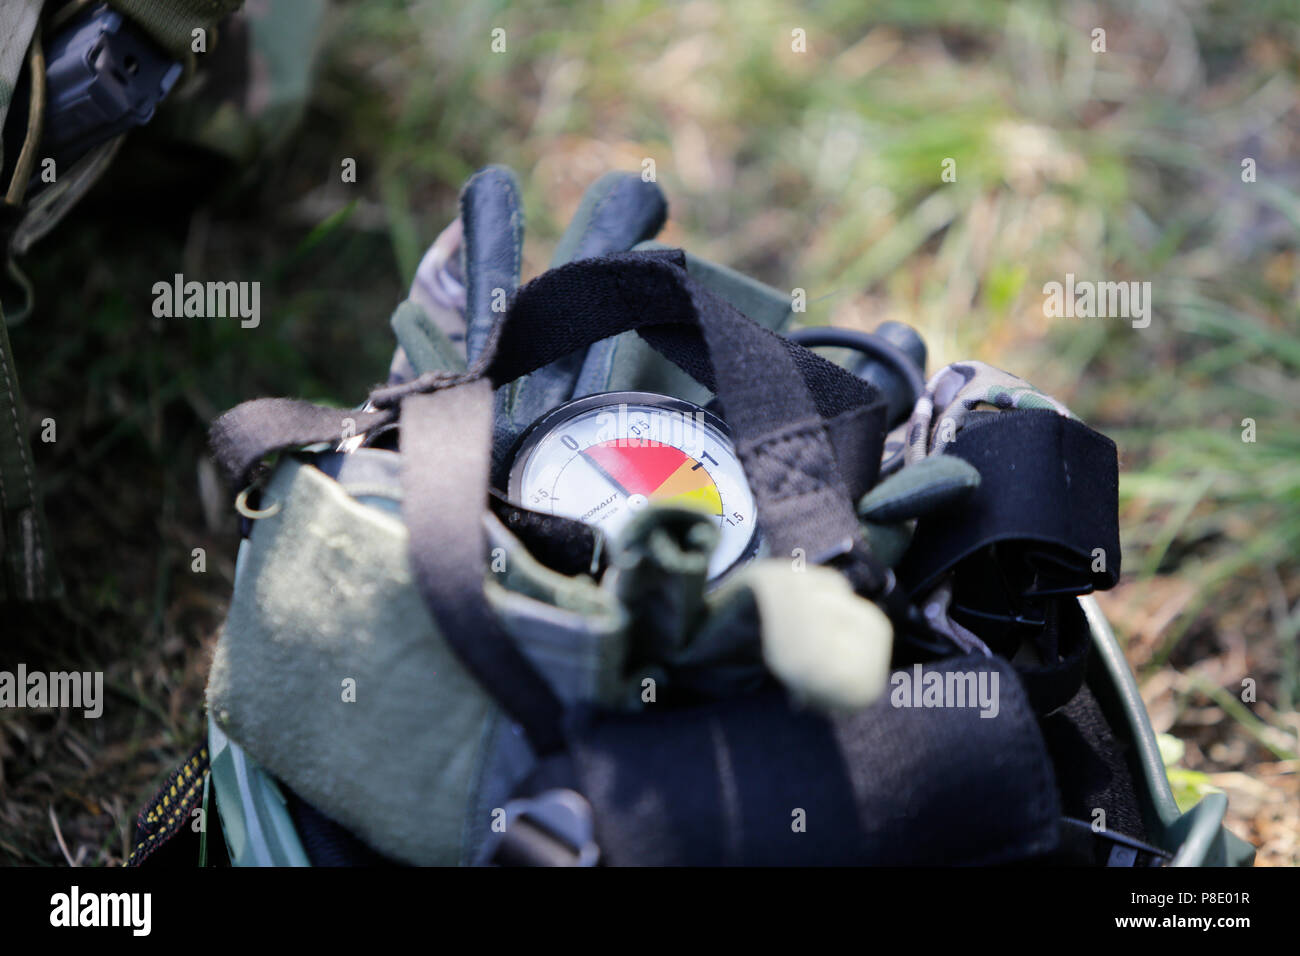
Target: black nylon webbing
column 752, row 781
column 617, row 212
column 567, row 309
column 574, row 305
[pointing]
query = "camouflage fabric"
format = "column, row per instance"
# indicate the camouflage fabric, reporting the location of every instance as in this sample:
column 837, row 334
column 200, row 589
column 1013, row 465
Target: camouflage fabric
column 951, row 395
column 439, row 292
column 255, row 83
column 171, row 22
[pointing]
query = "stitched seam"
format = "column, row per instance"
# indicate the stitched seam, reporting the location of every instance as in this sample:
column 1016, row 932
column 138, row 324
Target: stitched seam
column 11, row 391
column 195, row 771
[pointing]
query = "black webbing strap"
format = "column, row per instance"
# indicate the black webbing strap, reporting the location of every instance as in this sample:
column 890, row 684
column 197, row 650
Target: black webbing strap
column 246, row 434
column 1062, row 644
column 784, row 405
column 753, row 781
column 573, row 305
column 617, row 211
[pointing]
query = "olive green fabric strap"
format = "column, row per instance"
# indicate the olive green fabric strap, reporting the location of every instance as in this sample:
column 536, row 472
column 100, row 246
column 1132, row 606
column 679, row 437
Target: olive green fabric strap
column 172, row 22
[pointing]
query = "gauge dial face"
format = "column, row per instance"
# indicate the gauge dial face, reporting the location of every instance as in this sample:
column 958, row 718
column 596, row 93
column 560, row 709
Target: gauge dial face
column 603, row 458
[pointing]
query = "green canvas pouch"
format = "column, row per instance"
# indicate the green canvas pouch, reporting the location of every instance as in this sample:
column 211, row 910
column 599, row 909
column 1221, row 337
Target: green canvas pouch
column 574, row 632
column 333, row 676
column 331, row 673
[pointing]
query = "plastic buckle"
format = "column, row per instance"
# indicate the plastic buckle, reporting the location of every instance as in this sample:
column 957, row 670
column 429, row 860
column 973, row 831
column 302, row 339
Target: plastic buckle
column 554, row 828
column 1115, row 849
column 104, row 76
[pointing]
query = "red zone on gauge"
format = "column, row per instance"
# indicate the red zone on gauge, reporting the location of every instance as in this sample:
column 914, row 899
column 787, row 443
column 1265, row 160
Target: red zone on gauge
column 665, row 475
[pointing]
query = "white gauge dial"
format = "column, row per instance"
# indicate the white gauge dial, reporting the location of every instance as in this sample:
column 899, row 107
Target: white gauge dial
column 603, row 458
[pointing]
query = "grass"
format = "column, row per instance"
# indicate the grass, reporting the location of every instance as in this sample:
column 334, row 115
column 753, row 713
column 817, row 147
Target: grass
column 819, row 170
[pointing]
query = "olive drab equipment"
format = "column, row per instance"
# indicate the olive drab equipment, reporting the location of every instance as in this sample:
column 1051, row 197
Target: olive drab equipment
column 420, row 667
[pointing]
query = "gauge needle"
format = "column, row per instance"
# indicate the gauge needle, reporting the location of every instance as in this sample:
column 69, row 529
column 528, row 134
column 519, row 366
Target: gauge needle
column 605, row 474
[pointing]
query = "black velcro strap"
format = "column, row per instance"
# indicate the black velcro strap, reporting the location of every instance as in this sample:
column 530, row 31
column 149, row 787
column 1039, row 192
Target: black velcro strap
column 618, row 211
column 562, row 544
column 1090, row 766
column 1049, row 485
column 752, row 782
column 574, row 305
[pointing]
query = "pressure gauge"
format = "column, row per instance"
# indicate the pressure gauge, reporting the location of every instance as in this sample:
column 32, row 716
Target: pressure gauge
column 603, row 458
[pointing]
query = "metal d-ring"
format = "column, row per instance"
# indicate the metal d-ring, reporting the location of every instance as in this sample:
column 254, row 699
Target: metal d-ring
column 253, row 514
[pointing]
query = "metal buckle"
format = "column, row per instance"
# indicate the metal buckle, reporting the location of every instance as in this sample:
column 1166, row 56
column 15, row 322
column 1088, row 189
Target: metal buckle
column 352, row 443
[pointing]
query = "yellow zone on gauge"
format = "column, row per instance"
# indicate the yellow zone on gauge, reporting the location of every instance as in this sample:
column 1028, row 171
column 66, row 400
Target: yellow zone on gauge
column 664, row 474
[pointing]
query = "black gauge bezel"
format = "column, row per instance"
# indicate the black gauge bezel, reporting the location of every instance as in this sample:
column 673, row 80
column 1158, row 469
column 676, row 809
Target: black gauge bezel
column 538, row 430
